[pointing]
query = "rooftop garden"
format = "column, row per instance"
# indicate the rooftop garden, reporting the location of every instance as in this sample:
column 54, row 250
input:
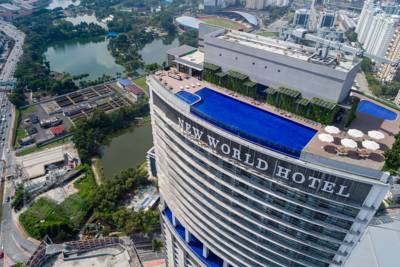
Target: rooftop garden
column 316, row 109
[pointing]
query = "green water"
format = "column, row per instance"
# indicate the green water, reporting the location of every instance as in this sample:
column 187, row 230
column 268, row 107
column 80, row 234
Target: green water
column 127, row 150
column 77, row 57
column 80, row 57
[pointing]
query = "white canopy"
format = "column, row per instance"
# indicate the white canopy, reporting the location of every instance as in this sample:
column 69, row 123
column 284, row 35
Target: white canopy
column 355, row 133
column 371, row 145
column 349, row 143
column 325, row 138
column 332, row 129
column 376, row 135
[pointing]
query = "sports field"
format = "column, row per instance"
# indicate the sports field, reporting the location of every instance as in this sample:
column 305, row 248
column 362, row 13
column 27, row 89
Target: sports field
column 269, row 34
column 222, row 22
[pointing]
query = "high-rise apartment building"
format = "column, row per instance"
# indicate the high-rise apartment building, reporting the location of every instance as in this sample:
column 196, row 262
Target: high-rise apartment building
column 301, row 17
column 243, row 184
column 255, row 4
column 260, row 4
column 376, row 30
column 387, row 72
column 327, row 19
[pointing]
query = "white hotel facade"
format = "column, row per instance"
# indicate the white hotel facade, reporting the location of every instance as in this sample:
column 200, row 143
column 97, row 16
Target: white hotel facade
column 229, row 201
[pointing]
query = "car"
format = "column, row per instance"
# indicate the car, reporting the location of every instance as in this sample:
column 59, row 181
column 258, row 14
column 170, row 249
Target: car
column 1, row 254
column 8, row 198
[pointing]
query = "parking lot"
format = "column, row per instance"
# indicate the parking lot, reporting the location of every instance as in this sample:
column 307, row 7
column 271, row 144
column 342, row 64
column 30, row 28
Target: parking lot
column 63, row 111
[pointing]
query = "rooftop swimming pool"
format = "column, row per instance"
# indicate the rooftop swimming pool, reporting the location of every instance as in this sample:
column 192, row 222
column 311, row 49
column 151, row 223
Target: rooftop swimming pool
column 376, row 110
column 252, row 123
column 188, row 97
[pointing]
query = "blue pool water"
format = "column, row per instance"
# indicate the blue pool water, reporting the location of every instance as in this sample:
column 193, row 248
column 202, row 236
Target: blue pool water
column 252, row 123
column 187, row 97
column 375, row 110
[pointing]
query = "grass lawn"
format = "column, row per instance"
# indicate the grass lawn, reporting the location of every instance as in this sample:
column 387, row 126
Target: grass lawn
column 226, row 23
column 21, row 133
column 33, row 149
column 61, row 221
column 28, row 110
column 15, row 127
column 141, row 82
column 269, row 34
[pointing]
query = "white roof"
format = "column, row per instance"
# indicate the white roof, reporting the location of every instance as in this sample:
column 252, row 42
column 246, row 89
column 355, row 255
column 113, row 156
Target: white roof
column 378, row 247
column 196, row 57
column 187, row 21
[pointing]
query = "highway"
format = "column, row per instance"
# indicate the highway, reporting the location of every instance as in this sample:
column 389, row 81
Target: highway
column 13, row 243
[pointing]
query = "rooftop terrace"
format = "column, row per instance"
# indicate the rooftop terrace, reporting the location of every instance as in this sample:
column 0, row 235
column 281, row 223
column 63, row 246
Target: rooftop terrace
column 280, row 47
column 267, row 120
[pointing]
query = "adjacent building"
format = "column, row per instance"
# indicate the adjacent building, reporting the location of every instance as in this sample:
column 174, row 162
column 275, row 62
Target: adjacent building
column 387, row 72
column 277, row 63
column 327, row 19
column 255, row 4
column 301, row 17
column 243, row 184
column 378, row 32
column 260, row 4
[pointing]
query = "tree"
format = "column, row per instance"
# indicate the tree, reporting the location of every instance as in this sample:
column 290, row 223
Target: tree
column 152, row 67
column 189, row 37
column 21, row 195
column 157, row 245
column 351, row 35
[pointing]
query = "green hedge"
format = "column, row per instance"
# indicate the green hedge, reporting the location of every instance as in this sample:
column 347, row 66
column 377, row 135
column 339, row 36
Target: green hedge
column 315, row 109
column 232, row 80
column 352, row 114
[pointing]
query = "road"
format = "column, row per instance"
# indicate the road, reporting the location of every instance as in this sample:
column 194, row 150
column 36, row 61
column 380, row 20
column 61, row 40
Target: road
column 15, row 245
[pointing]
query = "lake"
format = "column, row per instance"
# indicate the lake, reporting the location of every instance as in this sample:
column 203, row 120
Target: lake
column 79, row 57
column 62, row 3
column 155, row 52
column 127, row 150
column 94, row 57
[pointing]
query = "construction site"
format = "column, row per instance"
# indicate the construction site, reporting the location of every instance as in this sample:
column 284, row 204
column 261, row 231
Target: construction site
column 102, row 252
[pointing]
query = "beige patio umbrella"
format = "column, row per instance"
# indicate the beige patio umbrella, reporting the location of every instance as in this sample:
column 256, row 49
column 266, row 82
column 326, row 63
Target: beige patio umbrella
column 376, row 135
column 326, row 138
column 370, row 145
column 355, row 133
column 348, row 143
column 332, row 129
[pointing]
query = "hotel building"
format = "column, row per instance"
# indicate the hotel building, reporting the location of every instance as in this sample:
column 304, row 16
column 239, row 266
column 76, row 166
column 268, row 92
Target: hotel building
column 245, row 184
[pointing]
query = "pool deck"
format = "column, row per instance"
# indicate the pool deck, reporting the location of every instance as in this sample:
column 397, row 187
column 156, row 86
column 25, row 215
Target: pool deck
column 362, row 122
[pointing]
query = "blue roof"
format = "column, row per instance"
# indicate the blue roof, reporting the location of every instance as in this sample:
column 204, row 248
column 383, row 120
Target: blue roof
column 249, row 17
column 112, row 34
column 124, row 82
column 189, row 22
column 252, row 123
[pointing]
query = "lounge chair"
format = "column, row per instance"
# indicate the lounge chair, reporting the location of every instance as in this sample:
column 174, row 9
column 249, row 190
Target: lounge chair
column 341, row 151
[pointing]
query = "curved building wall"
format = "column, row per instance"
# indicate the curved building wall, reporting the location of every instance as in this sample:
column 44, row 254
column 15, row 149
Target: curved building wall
column 218, row 211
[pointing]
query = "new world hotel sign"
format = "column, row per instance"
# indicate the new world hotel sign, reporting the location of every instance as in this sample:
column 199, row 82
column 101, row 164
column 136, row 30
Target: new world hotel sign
column 305, row 179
